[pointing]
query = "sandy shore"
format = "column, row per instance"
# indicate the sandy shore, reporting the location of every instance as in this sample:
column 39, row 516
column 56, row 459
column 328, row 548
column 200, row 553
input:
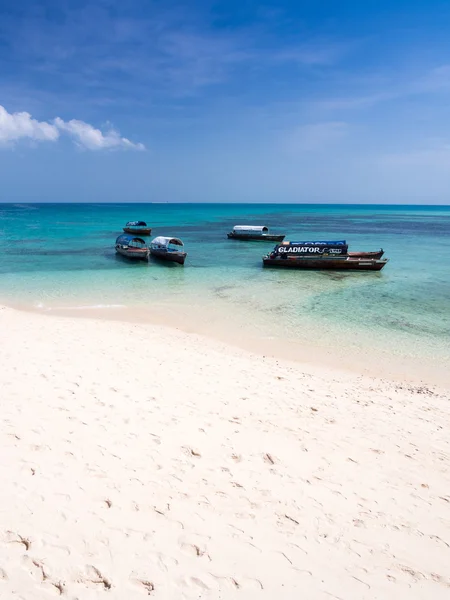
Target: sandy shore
column 139, row 461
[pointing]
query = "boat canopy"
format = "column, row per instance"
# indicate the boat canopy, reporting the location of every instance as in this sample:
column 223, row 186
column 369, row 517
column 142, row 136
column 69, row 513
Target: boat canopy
column 136, row 224
column 328, row 244
column 127, row 240
column 255, row 229
column 165, row 241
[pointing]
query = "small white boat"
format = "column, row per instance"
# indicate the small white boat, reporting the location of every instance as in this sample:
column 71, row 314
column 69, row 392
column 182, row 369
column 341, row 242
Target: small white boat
column 254, row 233
column 168, row 248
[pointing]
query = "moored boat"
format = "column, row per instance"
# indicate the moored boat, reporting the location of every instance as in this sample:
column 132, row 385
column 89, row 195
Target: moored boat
column 168, row 248
column 322, row 255
column 377, row 254
column 132, row 247
column 137, row 228
column 254, row 233
column 327, row 263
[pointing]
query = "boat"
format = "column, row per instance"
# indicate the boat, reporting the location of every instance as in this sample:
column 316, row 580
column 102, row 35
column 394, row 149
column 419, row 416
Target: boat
column 137, row 228
column 322, row 255
column 132, row 247
column 168, row 248
column 377, row 254
column 253, row 233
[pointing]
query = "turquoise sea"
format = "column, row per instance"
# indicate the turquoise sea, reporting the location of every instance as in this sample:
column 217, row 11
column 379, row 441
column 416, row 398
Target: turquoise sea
column 60, row 257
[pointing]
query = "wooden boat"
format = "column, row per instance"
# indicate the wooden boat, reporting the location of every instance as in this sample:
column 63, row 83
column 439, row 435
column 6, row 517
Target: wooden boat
column 132, row 247
column 376, row 255
column 321, row 255
column 168, row 248
column 253, row 233
column 326, row 263
column 137, row 228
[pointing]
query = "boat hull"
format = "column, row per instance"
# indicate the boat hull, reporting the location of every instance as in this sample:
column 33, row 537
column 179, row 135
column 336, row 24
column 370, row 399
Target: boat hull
column 133, row 253
column 325, row 263
column 376, row 255
column 138, row 230
column 176, row 257
column 255, row 238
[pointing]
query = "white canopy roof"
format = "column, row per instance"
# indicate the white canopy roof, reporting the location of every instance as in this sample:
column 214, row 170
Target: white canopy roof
column 251, row 228
column 165, row 241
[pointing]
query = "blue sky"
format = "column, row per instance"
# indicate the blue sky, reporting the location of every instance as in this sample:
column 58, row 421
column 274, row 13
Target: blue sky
column 227, row 101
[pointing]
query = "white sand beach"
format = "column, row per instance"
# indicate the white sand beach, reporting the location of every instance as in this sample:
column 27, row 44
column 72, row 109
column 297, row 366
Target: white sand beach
column 141, row 461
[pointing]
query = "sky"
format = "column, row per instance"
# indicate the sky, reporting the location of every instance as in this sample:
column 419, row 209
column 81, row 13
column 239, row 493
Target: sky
column 226, row 101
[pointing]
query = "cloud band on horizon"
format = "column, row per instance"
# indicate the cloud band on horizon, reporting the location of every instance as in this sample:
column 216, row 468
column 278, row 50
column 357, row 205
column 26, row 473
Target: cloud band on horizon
column 21, row 126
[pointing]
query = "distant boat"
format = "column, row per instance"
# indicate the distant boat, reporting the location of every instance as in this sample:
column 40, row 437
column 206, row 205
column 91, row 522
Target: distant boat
column 322, row 255
column 252, row 233
column 132, row 247
column 168, row 248
column 137, row 228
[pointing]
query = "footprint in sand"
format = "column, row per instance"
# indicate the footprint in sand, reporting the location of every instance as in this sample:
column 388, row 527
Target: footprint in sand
column 35, row 568
column 145, row 585
column 207, row 583
column 93, row 576
column 163, row 562
column 39, row 572
column 194, row 550
column 155, row 439
column 11, row 537
column 268, row 458
column 191, row 452
column 59, row 548
column 238, row 583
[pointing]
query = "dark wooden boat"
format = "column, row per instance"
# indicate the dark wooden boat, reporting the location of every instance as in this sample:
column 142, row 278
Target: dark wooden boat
column 137, row 228
column 132, row 247
column 168, row 248
column 253, row 233
column 322, row 255
column 325, row 263
column 376, row 255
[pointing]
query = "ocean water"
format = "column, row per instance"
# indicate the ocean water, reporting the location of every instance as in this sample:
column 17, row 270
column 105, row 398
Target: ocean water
column 58, row 257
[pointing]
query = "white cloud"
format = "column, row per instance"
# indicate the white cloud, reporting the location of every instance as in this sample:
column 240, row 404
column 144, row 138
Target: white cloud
column 20, row 126
column 86, row 136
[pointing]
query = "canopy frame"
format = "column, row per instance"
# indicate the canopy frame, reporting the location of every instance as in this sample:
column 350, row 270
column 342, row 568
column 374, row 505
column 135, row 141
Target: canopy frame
column 251, row 229
column 130, row 240
column 136, row 224
column 164, row 241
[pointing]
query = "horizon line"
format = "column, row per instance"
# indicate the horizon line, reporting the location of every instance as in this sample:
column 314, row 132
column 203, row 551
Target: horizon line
column 16, row 203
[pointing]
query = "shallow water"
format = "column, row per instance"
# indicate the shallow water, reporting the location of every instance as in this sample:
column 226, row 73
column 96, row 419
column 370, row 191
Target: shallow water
column 61, row 256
